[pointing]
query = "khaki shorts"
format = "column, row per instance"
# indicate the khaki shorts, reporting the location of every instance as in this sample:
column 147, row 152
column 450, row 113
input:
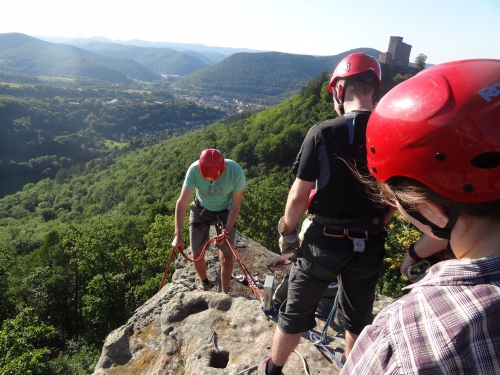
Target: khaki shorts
column 200, row 221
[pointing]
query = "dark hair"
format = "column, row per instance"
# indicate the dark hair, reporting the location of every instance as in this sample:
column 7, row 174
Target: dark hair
column 365, row 83
column 412, row 192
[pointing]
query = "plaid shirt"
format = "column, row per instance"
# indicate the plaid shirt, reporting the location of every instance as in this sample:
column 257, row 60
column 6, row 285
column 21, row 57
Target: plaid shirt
column 449, row 324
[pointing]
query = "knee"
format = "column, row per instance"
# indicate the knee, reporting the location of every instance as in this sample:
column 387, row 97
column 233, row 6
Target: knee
column 226, row 258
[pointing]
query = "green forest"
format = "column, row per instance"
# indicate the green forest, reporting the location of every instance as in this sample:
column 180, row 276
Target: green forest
column 265, row 77
column 86, row 243
column 44, row 128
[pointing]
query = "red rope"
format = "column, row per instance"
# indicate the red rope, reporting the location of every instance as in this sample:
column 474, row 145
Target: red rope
column 220, row 238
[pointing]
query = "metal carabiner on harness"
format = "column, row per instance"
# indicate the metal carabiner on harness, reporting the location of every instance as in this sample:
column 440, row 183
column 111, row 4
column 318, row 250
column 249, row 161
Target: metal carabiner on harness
column 219, row 224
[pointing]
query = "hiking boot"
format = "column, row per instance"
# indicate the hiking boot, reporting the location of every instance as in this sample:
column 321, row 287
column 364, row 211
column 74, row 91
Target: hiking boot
column 207, row 286
column 343, row 359
column 262, row 369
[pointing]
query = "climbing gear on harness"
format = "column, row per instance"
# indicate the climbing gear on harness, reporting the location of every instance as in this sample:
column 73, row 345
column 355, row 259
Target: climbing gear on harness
column 201, row 207
column 211, row 164
column 358, row 226
column 416, row 272
column 357, row 230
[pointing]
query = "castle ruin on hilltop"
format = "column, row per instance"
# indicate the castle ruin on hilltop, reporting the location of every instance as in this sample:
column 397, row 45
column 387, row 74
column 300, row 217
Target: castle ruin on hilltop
column 398, row 53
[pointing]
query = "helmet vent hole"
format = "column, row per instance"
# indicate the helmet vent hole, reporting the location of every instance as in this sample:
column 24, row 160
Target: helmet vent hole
column 374, row 169
column 487, row 160
column 372, row 149
column 468, row 188
column 440, row 156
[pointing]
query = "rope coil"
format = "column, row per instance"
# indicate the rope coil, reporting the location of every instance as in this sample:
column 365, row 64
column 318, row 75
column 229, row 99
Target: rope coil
column 224, row 236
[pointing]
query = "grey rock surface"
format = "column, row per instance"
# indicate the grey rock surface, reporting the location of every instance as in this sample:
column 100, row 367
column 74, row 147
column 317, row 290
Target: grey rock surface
column 183, row 330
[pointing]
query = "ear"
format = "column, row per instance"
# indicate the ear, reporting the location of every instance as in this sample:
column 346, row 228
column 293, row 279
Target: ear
column 340, row 91
column 435, row 213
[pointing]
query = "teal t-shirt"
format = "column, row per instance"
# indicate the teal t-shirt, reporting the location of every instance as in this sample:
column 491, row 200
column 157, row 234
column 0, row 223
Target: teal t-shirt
column 216, row 195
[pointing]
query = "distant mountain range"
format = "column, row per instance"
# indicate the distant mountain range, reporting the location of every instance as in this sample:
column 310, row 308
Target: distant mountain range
column 160, row 60
column 24, row 54
column 214, row 54
column 269, row 77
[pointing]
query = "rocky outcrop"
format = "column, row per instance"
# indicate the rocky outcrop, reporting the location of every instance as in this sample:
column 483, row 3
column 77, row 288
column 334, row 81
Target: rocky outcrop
column 182, row 330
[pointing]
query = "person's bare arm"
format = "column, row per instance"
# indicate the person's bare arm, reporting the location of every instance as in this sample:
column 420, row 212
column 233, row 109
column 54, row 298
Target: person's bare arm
column 296, row 204
column 234, row 210
column 180, row 214
column 424, row 247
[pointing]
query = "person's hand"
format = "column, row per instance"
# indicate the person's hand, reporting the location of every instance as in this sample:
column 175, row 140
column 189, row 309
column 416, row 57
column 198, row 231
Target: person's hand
column 280, row 261
column 178, row 243
column 407, row 262
column 221, row 238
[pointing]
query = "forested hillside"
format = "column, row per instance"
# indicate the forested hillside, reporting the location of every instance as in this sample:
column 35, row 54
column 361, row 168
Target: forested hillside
column 45, row 128
column 80, row 252
column 268, row 77
column 209, row 54
column 160, row 60
column 23, row 54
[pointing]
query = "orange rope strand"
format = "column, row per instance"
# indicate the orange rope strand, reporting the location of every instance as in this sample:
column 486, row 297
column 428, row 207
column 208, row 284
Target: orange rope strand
column 220, row 238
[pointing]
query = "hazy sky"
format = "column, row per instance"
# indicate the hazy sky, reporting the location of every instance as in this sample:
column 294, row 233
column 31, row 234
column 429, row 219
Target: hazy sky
column 444, row 30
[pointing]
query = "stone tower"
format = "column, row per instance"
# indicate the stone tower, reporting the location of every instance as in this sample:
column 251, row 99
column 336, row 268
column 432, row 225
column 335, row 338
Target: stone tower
column 398, row 52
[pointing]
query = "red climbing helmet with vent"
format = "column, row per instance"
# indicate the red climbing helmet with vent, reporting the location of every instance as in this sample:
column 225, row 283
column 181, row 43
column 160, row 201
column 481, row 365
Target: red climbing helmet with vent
column 442, row 128
column 211, row 164
column 356, row 63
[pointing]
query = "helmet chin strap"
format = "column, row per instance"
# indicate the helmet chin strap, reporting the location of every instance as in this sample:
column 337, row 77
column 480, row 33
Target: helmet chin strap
column 340, row 103
column 454, row 211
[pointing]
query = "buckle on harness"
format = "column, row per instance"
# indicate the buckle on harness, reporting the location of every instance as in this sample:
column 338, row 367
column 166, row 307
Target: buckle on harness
column 344, row 234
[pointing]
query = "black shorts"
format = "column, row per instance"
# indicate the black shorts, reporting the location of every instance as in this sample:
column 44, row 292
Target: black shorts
column 322, row 260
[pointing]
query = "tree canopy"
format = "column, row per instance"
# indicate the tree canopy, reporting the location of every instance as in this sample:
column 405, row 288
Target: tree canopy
column 420, row 61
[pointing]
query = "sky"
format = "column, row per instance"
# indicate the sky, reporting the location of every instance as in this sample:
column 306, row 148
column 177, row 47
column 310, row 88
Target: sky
column 444, row 30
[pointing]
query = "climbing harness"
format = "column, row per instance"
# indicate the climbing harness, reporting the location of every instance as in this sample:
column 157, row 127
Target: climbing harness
column 320, row 341
column 224, row 236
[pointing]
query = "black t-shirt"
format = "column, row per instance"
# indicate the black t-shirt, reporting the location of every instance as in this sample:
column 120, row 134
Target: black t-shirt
column 339, row 194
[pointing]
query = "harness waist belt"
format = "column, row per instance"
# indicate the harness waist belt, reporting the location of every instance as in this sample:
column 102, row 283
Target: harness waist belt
column 201, row 207
column 361, row 225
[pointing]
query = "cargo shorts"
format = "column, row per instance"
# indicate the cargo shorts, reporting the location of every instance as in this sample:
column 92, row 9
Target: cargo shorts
column 321, row 261
column 200, row 221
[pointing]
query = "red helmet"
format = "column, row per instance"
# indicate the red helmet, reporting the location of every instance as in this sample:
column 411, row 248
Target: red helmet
column 356, row 63
column 211, row 164
column 309, row 200
column 442, row 128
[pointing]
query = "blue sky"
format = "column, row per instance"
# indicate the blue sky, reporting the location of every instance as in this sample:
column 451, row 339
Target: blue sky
column 444, row 30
